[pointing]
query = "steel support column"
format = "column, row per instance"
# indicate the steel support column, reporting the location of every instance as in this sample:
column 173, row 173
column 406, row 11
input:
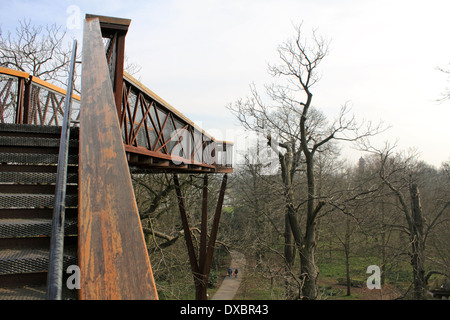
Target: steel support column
column 201, row 268
column 115, row 29
column 20, row 96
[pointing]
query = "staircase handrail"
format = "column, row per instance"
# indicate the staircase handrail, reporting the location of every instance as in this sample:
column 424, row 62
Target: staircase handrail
column 55, row 270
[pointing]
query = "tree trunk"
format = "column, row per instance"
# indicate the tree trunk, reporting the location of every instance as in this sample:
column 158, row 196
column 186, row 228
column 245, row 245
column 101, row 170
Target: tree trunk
column 308, row 269
column 289, row 245
column 309, row 273
column 289, row 254
column 383, row 245
column 347, row 255
column 417, row 244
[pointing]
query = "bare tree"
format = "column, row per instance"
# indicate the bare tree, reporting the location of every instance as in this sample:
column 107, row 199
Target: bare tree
column 446, row 94
column 302, row 132
column 38, row 50
column 132, row 68
column 398, row 172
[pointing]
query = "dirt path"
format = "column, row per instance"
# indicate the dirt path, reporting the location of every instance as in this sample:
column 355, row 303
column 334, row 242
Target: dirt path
column 229, row 286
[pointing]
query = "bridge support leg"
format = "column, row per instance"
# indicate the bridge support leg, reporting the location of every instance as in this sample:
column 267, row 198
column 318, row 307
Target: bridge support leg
column 201, row 267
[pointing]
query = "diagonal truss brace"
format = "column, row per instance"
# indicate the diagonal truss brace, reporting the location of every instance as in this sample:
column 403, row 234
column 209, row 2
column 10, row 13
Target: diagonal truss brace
column 201, row 266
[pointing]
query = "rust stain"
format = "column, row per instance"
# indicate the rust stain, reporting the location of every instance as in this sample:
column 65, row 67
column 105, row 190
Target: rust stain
column 113, row 258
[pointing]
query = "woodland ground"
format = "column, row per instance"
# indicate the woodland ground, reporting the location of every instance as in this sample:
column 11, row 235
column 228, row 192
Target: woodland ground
column 257, row 286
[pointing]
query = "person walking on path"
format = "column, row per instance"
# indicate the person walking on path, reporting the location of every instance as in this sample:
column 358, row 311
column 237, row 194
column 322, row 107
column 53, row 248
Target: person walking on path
column 235, row 273
column 230, row 271
column 228, row 288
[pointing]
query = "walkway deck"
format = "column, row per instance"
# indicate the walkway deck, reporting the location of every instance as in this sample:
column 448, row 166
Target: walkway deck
column 230, row 286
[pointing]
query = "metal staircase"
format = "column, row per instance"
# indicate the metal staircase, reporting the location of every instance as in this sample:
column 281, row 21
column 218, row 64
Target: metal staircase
column 51, row 218
column 28, row 165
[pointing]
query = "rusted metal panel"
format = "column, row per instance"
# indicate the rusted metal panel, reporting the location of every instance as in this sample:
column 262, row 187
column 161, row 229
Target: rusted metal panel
column 113, row 257
column 151, row 124
column 111, row 25
column 115, row 29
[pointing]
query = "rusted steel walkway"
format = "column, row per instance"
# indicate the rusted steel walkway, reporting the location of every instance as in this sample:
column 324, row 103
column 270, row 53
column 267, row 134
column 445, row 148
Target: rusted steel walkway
column 122, row 126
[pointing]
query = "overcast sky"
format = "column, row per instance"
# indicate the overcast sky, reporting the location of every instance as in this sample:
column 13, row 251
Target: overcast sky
column 201, row 55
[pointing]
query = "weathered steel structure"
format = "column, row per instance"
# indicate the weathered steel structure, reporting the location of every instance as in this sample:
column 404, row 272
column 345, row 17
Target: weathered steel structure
column 77, row 208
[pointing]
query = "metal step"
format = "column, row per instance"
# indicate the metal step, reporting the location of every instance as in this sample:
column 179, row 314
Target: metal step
column 25, row 292
column 16, row 261
column 30, row 286
column 36, row 188
column 15, row 200
column 28, row 165
column 29, row 128
column 34, row 177
column 35, row 129
column 33, row 158
column 12, row 141
column 18, row 228
column 34, row 213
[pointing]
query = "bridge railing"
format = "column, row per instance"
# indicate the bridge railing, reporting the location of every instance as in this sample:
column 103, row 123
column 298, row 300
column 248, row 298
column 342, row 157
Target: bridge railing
column 152, row 127
column 25, row 99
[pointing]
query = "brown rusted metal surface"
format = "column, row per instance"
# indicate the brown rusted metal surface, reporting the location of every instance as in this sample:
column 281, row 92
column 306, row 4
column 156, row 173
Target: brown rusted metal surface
column 201, row 267
column 114, row 29
column 112, row 253
column 187, row 232
column 152, row 127
column 204, row 223
column 215, row 226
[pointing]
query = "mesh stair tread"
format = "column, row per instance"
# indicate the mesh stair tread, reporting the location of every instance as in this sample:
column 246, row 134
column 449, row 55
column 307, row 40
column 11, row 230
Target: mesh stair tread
column 17, row 200
column 34, row 142
column 21, row 143
column 20, row 228
column 34, row 177
column 33, row 158
column 18, row 261
column 23, row 293
column 32, row 128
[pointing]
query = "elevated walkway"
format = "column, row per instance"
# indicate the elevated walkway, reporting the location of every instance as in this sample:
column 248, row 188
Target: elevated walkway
column 118, row 126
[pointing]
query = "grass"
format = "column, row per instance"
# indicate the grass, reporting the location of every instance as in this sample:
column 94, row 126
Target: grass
column 331, row 280
column 180, row 284
column 256, row 287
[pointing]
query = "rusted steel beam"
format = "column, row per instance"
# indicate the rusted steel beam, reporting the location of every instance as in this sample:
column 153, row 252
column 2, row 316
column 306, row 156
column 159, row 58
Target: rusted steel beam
column 115, row 29
column 157, row 116
column 215, row 226
column 144, row 151
column 187, row 231
column 118, row 72
column 113, row 258
column 20, row 100
column 110, row 25
column 201, row 292
column 204, row 224
column 201, row 267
